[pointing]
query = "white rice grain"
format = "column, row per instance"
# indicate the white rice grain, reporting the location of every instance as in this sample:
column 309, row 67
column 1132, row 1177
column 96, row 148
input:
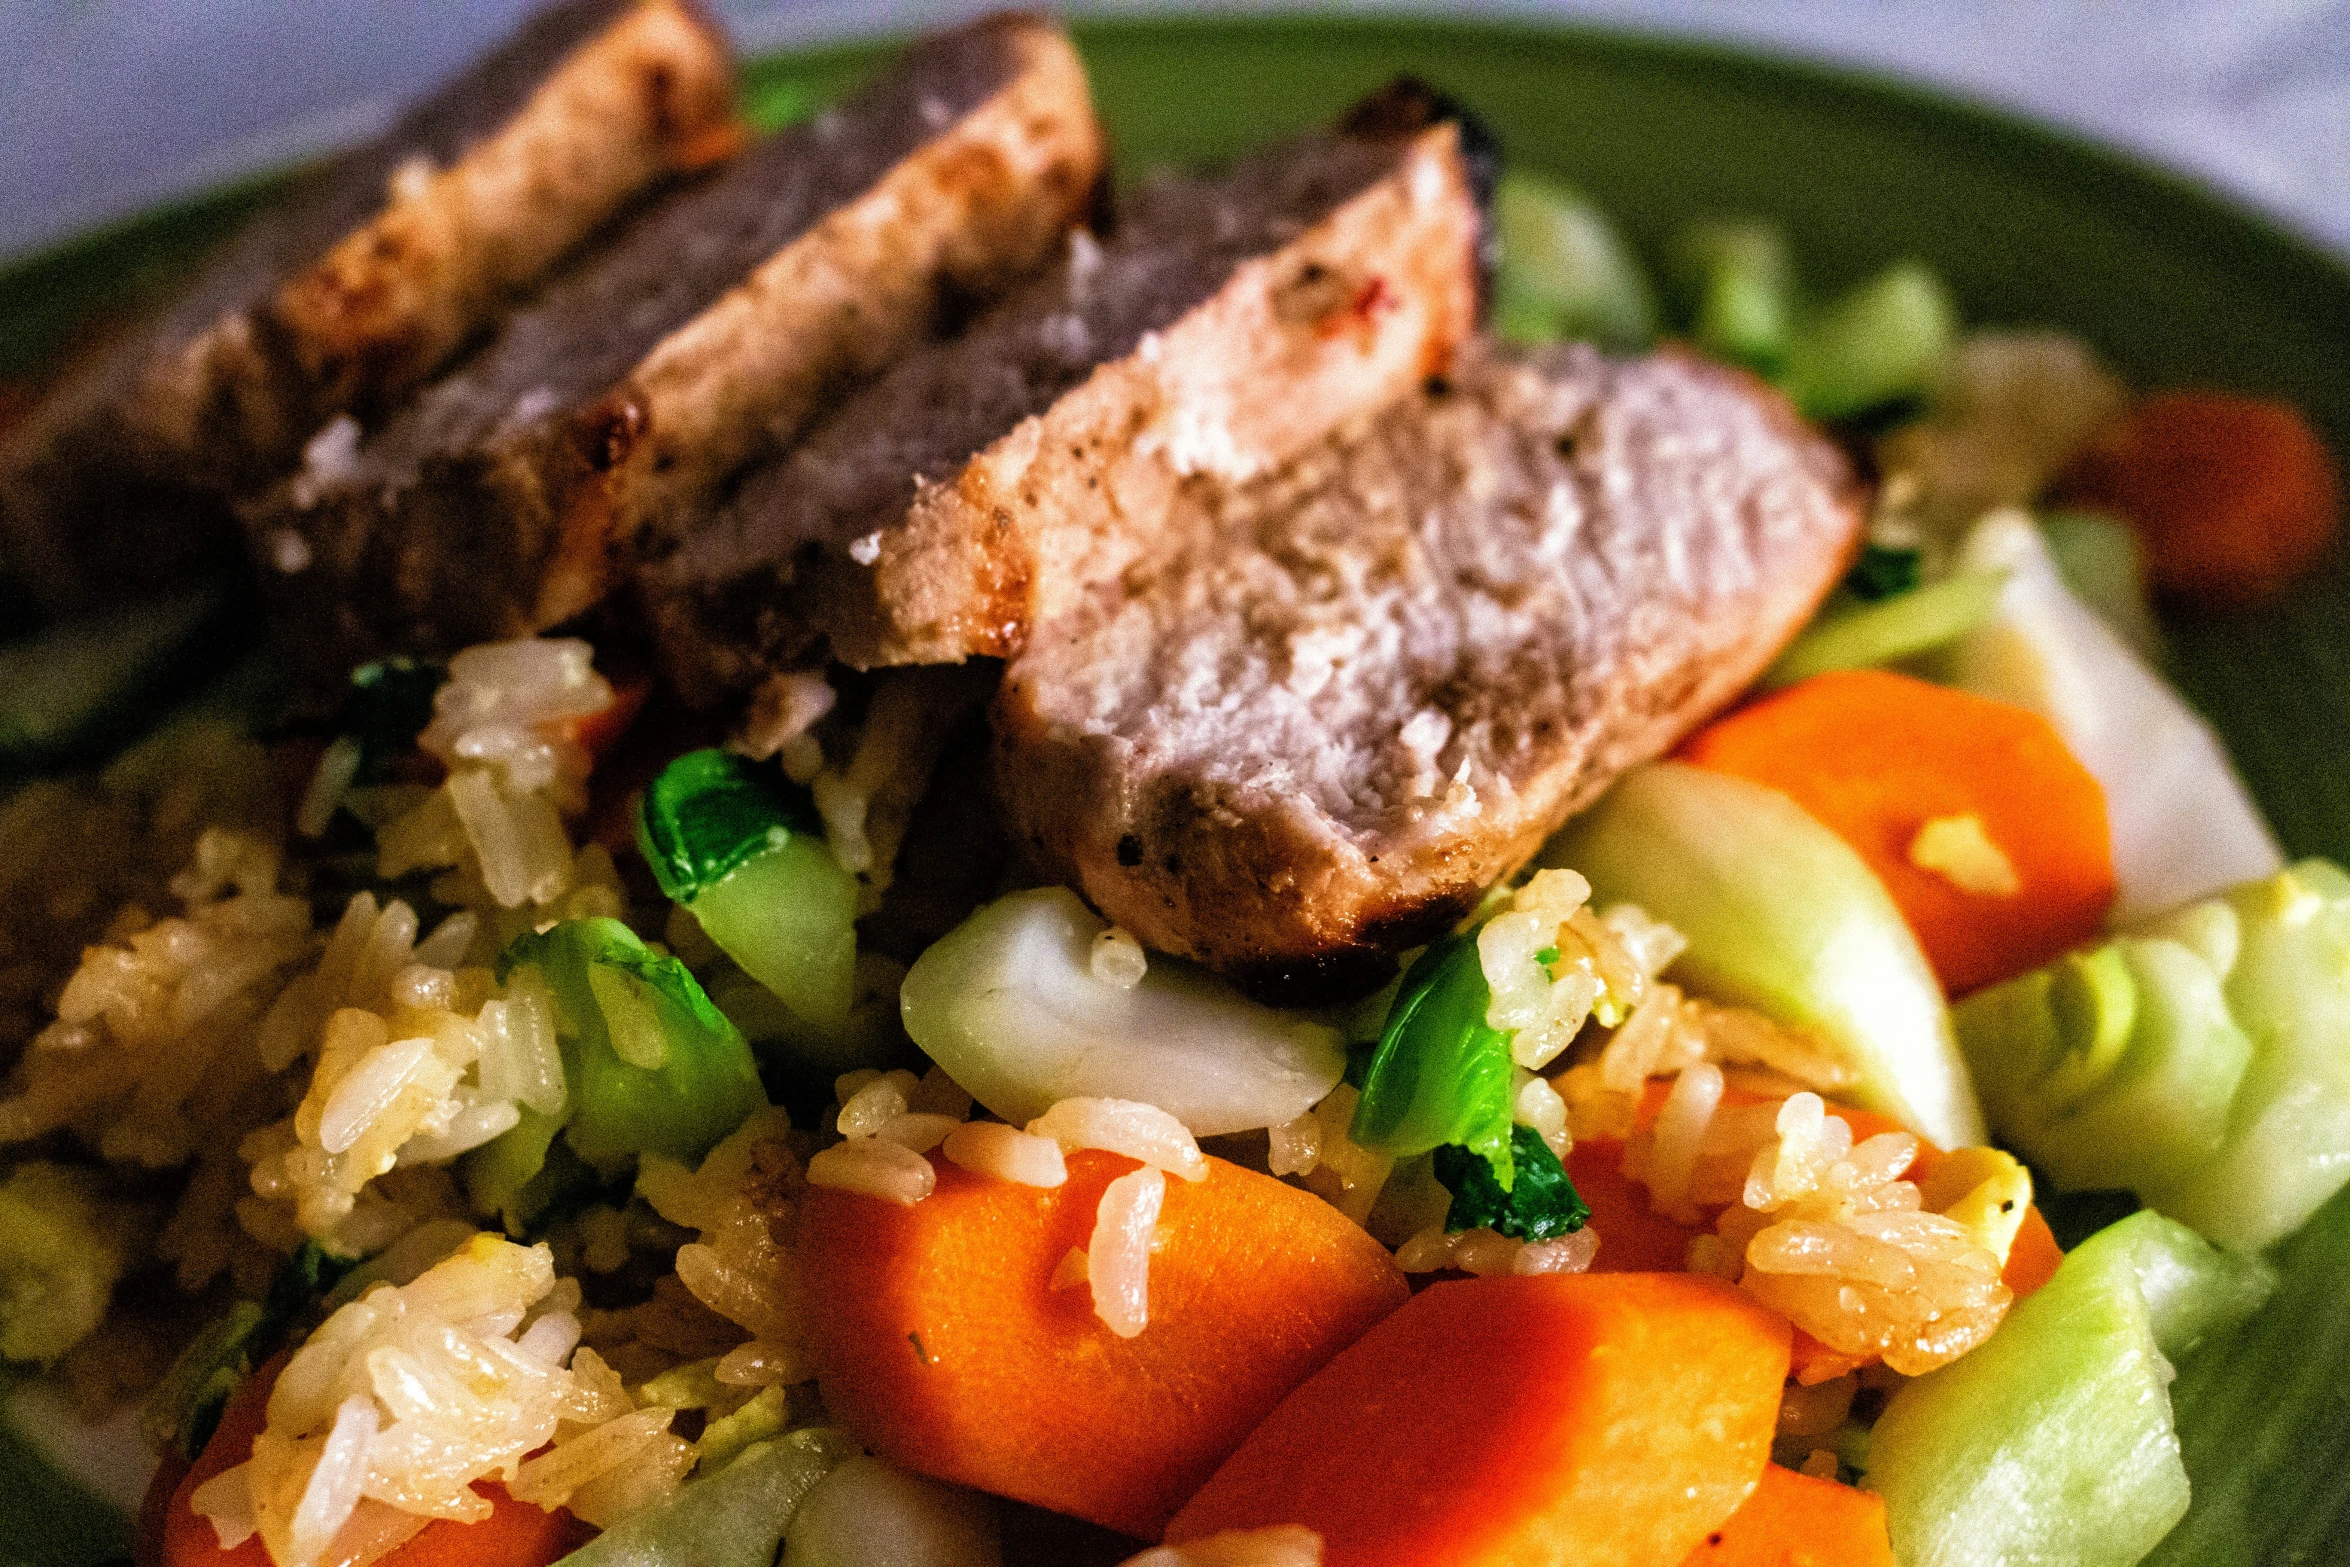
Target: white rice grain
column 1124, row 1126
column 1118, row 1260
column 875, row 1168
column 1007, row 1153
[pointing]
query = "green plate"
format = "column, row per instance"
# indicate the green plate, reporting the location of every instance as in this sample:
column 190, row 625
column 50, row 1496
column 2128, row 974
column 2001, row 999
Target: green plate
column 2029, row 226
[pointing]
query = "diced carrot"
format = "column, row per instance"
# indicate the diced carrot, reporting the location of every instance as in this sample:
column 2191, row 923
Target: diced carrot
column 1795, row 1520
column 1604, row 1420
column 515, row 1534
column 2033, row 1257
column 2231, row 497
column 1633, row 1236
column 599, row 732
column 942, row 1344
column 1876, row 756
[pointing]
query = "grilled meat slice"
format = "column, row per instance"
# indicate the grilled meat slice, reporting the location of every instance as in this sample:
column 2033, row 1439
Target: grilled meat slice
column 1328, row 708
column 1224, row 326
column 709, row 331
column 346, row 293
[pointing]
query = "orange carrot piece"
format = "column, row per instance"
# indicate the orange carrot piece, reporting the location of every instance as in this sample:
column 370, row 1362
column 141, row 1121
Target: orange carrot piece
column 515, row 1534
column 1603, row 1420
column 941, row 1343
column 2231, row 497
column 1875, row 756
column 1796, row 1520
column 2033, row 1257
column 1633, row 1236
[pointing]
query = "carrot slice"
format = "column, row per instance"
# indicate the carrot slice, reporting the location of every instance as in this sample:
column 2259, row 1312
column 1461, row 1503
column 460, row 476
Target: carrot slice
column 940, row 1341
column 1877, row 757
column 1605, row 1420
column 2232, row 497
column 515, row 1534
column 1796, row 1520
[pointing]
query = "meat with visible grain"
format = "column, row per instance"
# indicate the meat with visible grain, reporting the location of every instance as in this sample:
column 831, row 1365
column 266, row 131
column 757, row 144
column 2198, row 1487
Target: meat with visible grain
column 361, row 280
column 1332, row 706
column 706, row 334
column 1225, row 325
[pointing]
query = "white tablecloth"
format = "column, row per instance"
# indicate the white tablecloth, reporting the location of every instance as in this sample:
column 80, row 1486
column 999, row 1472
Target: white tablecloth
column 109, row 105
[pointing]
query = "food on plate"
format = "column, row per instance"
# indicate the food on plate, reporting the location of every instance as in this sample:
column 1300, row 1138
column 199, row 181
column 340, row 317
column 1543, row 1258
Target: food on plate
column 704, row 334
column 1222, row 326
column 353, row 286
column 1308, row 726
column 1030, row 867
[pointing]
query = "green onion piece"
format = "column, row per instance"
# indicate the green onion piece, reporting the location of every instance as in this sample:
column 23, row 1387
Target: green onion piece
column 1542, row 1204
column 1441, row 1073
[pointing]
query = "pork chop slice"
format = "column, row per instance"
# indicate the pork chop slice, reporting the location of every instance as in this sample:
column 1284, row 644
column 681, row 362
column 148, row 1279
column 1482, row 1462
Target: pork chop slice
column 355, row 285
column 709, row 331
column 1225, row 325
column 1308, row 728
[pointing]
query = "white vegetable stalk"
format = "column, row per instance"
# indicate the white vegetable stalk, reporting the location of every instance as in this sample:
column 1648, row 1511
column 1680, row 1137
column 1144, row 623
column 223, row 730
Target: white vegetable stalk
column 2183, row 825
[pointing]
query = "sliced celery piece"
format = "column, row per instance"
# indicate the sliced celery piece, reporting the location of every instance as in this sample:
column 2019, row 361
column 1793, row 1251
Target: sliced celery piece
column 2052, row 1442
column 1565, row 272
column 1781, row 915
column 1861, row 636
column 1887, row 341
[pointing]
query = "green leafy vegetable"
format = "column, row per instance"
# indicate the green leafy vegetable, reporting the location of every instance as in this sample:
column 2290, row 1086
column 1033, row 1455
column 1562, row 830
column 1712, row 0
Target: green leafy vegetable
column 1542, row 1204
column 1441, row 1073
column 1886, row 342
column 743, row 849
column 652, row 1066
column 1565, row 272
column 389, row 705
column 1882, row 572
column 1736, row 286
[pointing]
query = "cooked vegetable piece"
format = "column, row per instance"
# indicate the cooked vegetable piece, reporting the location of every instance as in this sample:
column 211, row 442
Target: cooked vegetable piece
column 2108, row 1069
column 1888, row 341
column 70, row 686
column 1737, row 288
column 2264, row 1417
column 1565, row 272
column 1861, row 636
column 743, row 849
column 868, row 1512
column 1440, row 1075
column 1882, row 572
column 2182, row 825
column 515, row 1534
column 734, row 1518
column 2289, row 989
column 1601, row 1419
column 1540, row 1205
column 185, row 1407
column 2234, row 497
column 651, row 1065
column 1879, row 757
column 1012, row 1005
column 941, row 1342
column 62, row 1246
column 389, row 704
column 1795, row 1520
column 1782, row 916
column 2101, row 564
column 2052, row 1441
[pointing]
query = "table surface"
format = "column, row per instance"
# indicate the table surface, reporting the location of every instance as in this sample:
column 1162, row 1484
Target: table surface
column 112, row 105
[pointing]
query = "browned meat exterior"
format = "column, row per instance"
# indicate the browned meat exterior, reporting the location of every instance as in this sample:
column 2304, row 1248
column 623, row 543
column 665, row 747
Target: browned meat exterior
column 347, row 293
column 1226, row 325
column 708, row 332
column 1303, row 733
